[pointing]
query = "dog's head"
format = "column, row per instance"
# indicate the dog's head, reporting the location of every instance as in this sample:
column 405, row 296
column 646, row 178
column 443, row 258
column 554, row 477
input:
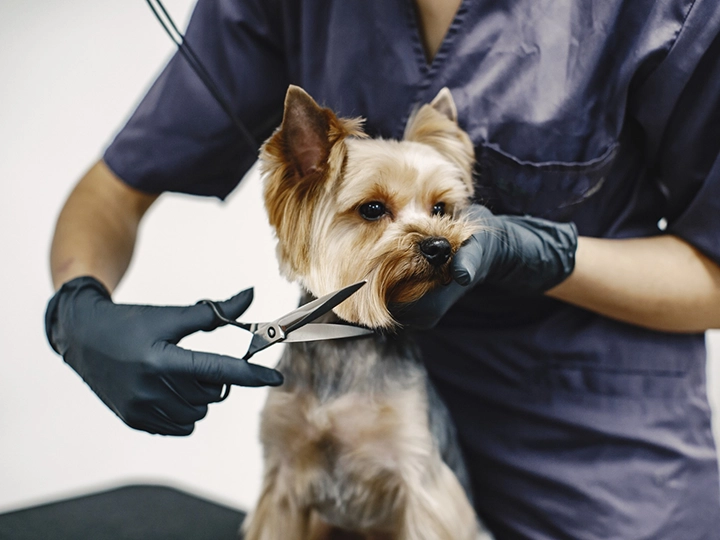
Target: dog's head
column 346, row 207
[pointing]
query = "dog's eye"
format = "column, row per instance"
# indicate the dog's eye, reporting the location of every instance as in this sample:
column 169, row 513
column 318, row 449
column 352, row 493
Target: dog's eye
column 373, row 211
column 439, row 209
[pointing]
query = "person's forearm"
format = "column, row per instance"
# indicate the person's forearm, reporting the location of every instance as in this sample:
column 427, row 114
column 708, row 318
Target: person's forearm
column 662, row 283
column 96, row 230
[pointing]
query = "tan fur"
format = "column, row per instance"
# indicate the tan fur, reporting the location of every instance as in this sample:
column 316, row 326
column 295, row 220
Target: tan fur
column 349, row 452
column 380, row 448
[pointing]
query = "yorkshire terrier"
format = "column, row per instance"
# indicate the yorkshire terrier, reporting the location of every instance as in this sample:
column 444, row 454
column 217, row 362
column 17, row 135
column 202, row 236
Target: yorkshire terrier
column 357, row 444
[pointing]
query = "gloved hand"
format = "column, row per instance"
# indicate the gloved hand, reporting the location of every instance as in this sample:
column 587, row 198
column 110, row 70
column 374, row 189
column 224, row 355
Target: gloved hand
column 520, row 255
column 129, row 356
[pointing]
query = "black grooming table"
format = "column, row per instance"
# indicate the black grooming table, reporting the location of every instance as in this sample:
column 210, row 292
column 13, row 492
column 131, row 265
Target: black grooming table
column 127, row 513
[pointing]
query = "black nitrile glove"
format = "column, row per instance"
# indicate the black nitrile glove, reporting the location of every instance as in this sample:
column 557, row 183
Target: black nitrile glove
column 129, row 356
column 524, row 256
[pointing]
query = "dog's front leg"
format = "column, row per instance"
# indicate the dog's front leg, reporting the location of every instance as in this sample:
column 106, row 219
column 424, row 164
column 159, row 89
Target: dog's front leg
column 436, row 507
column 277, row 515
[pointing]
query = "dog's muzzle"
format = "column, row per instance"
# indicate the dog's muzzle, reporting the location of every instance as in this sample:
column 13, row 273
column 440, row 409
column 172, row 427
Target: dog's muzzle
column 436, row 250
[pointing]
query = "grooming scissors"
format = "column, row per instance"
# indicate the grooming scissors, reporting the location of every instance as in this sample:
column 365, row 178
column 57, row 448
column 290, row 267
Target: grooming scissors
column 297, row 326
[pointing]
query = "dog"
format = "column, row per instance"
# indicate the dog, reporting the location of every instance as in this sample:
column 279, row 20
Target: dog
column 356, row 442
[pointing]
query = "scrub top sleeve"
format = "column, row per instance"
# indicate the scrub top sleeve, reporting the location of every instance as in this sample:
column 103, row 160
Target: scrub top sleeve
column 685, row 162
column 699, row 225
column 688, row 167
column 179, row 138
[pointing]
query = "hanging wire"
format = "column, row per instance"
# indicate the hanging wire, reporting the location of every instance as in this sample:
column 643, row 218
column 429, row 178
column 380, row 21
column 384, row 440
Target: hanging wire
column 166, row 21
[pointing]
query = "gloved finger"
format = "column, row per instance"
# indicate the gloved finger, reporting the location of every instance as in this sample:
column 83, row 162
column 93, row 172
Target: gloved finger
column 183, row 321
column 413, row 316
column 478, row 213
column 219, row 392
column 427, row 311
column 200, row 393
column 221, row 369
column 179, row 431
column 160, row 424
column 180, row 414
column 195, row 392
column 167, row 409
column 176, row 430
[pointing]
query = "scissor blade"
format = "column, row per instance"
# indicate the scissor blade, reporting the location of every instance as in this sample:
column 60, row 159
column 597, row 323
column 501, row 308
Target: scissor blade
column 312, row 310
column 257, row 344
column 321, row 331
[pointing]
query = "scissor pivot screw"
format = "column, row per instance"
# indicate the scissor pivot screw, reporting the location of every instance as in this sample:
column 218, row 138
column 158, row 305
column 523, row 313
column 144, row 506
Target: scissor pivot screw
column 271, row 332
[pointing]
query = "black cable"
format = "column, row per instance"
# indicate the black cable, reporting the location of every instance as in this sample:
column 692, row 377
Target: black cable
column 198, row 67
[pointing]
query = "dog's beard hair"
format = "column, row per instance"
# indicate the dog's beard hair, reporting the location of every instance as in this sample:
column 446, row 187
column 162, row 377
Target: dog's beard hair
column 324, row 247
column 388, row 258
column 402, row 274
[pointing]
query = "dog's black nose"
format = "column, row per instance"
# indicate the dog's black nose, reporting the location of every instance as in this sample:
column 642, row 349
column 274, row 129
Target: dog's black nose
column 436, row 250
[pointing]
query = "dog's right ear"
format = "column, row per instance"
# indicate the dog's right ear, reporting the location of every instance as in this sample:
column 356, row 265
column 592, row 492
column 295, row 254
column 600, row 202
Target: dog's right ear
column 305, row 132
column 305, row 146
column 298, row 161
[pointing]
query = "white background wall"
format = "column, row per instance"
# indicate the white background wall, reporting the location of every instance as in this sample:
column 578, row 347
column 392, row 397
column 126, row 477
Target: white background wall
column 70, row 73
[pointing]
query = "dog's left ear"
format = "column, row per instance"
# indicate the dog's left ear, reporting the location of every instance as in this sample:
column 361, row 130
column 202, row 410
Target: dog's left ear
column 445, row 104
column 435, row 124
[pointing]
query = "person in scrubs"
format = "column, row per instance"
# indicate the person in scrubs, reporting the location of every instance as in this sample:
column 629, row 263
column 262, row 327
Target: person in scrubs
column 573, row 356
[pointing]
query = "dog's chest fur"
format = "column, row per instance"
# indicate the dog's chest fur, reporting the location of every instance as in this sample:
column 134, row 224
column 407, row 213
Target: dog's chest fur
column 356, row 428
column 345, row 410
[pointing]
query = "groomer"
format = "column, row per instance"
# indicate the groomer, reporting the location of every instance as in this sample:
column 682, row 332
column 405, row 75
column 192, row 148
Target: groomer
column 574, row 364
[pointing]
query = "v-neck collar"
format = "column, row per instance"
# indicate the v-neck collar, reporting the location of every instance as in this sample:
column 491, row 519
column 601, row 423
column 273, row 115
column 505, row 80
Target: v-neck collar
column 446, row 45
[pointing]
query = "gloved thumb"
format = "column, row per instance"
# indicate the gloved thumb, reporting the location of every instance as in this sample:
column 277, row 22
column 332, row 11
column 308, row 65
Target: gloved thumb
column 467, row 261
column 187, row 320
column 237, row 305
column 466, row 264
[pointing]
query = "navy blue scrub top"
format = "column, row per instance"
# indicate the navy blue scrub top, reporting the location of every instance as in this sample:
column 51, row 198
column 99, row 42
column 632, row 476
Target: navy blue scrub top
column 606, row 114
